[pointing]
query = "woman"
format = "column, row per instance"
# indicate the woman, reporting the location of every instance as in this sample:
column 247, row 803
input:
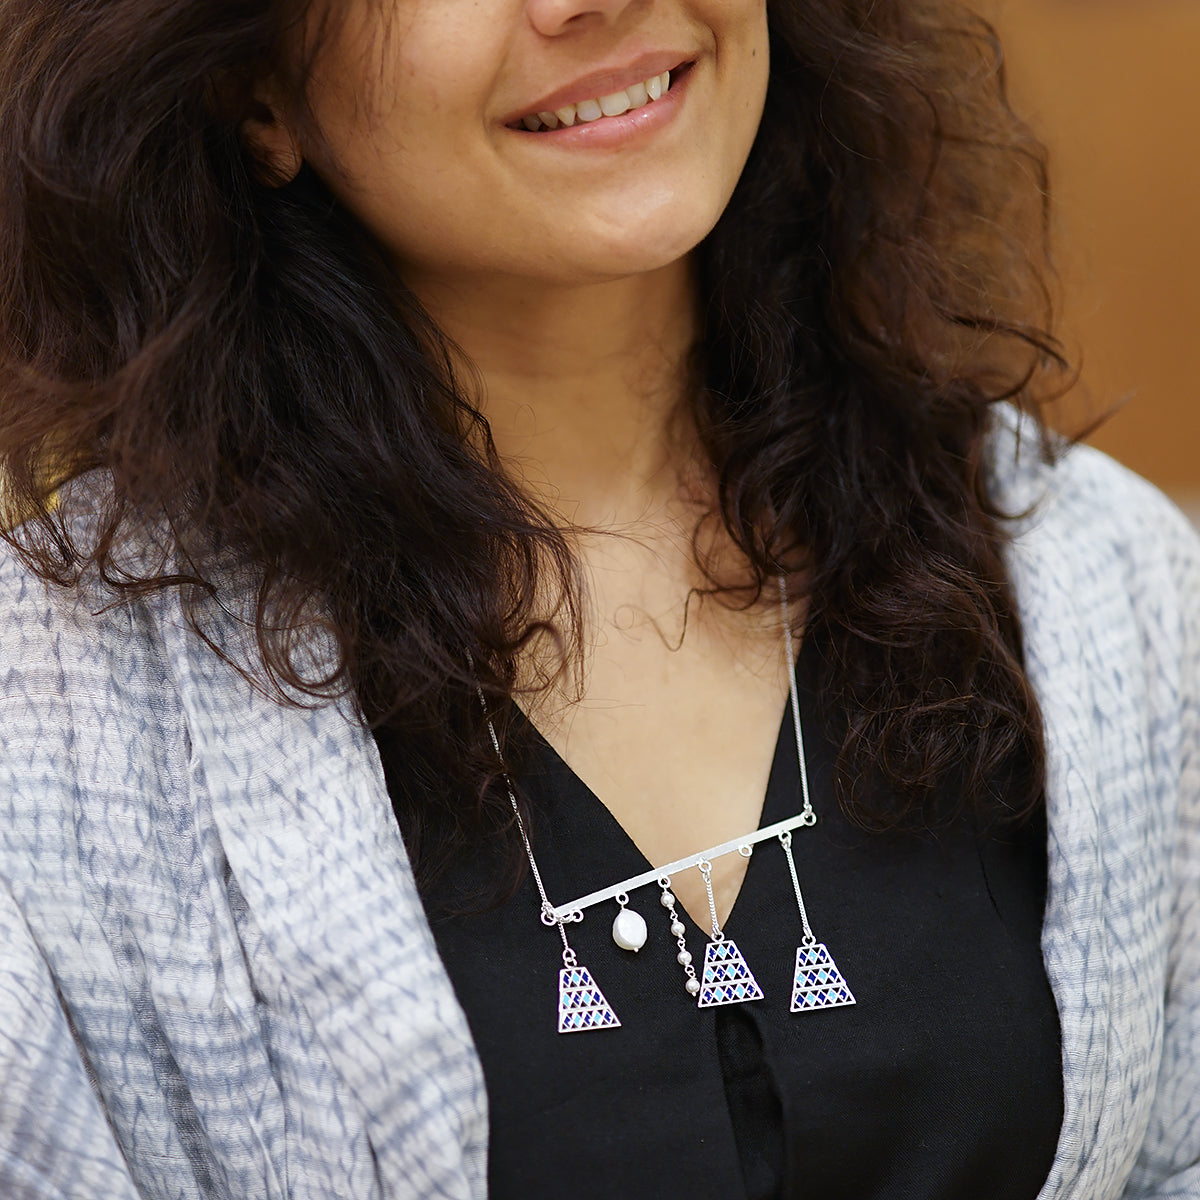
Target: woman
column 430, row 431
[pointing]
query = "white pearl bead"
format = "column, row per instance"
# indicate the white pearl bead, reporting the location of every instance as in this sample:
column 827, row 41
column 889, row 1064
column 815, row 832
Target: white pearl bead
column 629, row 930
column 677, row 929
column 667, row 900
column 693, row 986
column 683, row 958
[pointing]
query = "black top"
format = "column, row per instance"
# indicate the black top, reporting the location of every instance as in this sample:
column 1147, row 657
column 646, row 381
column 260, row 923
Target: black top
column 942, row 1081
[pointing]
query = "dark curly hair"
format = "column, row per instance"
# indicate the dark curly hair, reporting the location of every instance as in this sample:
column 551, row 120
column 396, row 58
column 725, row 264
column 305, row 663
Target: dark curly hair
column 239, row 361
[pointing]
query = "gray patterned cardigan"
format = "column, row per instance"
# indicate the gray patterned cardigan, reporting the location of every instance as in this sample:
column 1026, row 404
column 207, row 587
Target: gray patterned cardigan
column 215, row 976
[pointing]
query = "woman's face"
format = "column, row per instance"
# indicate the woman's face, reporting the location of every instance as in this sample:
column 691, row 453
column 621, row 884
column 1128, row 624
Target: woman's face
column 424, row 108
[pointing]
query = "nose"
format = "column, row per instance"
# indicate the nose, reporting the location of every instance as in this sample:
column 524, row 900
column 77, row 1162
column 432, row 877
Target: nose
column 554, row 17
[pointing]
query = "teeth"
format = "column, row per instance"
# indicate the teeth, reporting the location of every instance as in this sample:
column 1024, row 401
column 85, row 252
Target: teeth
column 613, row 105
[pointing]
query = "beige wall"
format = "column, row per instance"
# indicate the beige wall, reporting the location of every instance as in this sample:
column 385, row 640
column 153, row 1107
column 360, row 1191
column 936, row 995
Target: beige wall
column 1114, row 87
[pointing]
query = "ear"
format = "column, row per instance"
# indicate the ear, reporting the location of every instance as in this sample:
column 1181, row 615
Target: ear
column 271, row 140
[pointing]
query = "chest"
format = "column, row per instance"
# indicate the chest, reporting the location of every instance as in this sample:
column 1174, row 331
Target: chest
column 676, row 741
column 938, row 937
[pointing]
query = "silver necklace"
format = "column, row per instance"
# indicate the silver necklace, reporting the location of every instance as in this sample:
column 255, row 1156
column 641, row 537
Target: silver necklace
column 724, row 977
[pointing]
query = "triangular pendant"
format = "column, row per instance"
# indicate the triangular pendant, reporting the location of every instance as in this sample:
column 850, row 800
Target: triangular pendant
column 817, row 982
column 581, row 1004
column 726, row 978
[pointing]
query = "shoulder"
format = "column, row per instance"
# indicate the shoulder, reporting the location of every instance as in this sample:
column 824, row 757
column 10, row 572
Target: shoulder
column 1080, row 523
column 78, row 646
column 1106, row 576
column 90, row 713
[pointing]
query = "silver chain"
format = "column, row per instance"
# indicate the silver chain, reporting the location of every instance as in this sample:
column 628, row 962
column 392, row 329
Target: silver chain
column 794, row 694
column 706, row 874
column 548, row 914
column 785, row 840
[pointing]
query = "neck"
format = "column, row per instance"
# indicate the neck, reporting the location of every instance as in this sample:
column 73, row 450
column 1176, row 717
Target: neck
column 583, row 387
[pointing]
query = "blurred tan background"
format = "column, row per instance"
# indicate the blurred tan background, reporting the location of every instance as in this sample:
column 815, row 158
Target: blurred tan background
column 1113, row 86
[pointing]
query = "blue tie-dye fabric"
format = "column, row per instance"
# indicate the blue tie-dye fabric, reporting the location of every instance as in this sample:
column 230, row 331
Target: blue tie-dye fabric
column 215, row 975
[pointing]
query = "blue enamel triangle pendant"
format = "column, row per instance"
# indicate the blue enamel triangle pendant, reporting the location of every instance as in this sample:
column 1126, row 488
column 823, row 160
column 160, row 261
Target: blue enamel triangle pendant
column 726, row 979
column 581, row 1004
column 817, row 982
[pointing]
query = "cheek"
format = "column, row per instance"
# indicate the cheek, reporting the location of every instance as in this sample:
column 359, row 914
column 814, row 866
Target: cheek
column 386, row 88
column 746, row 67
column 399, row 156
column 756, row 57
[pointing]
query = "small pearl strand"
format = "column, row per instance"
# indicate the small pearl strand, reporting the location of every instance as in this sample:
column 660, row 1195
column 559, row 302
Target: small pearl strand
column 678, row 932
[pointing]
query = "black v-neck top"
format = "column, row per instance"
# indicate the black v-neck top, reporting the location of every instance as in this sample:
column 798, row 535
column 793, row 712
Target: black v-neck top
column 943, row 1080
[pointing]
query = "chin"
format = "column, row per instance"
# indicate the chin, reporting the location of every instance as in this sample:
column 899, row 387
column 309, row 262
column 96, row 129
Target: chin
column 618, row 253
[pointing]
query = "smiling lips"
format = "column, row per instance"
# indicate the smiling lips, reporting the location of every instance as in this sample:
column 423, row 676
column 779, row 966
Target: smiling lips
column 612, row 105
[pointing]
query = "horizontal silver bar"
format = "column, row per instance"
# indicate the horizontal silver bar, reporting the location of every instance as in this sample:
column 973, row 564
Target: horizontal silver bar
column 563, row 911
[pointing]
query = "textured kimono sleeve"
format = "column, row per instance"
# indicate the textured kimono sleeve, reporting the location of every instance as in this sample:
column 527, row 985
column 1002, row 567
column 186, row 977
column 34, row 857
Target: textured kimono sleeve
column 175, row 1022
column 55, row 1141
column 55, row 1137
column 1169, row 1163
